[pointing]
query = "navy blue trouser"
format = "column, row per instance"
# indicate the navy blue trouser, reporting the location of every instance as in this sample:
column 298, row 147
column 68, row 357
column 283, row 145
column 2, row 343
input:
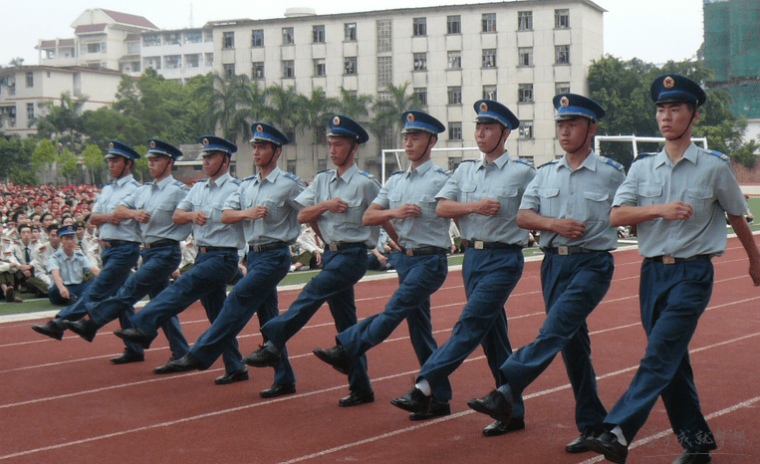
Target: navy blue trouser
column 572, row 286
column 419, row 277
column 489, row 278
column 150, row 279
column 334, row 285
column 673, row 297
column 207, row 281
column 256, row 293
column 75, row 290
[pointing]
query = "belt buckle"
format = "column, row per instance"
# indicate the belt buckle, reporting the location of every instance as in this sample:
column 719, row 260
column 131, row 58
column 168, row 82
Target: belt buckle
column 333, row 247
column 478, row 244
column 668, row 260
column 204, row 250
column 410, row 252
column 257, row 249
column 563, row 250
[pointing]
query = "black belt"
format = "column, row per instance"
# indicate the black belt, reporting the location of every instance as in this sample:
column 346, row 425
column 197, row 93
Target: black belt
column 665, row 259
column 208, row 249
column 268, row 247
column 481, row 245
column 345, row 246
column 162, row 243
column 424, row 251
column 568, row 250
column 116, row 243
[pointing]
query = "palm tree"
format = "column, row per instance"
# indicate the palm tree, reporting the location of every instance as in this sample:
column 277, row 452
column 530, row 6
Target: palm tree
column 62, row 123
column 231, row 105
column 286, row 108
column 387, row 113
column 352, row 105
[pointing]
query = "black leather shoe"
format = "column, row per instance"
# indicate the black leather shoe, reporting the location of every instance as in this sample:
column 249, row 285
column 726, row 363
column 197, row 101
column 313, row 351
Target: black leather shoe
column 413, row 401
column 436, row 409
column 186, row 363
column 136, row 336
column 53, row 328
column 263, row 358
column 85, row 328
column 232, row 377
column 278, row 389
column 693, row 457
column 608, row 445
column 10, row 296
column 337, row 358
column 494, row 404
column 579, row 445
column 127, row 357
column 356, row 398
column 500, row 428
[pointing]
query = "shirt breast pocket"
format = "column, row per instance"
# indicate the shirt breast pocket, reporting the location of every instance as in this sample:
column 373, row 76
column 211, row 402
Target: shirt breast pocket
column 549, row 198
column 701, row 199
column 275, row 210
column 649, row 194
column 468, row 193
column 394, row 199
column 427, row 203
column 597, row 205
column 509, row 201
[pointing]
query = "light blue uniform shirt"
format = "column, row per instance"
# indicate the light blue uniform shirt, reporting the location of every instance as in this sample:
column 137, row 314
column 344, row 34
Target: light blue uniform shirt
column 702, row 178
column 585, row 195
column 503, row 180
column 418, row 186
column 209, row 196
column 355, row 187
column 110, row 197
column 160, row 199
column 71, row 268
column 278, row 192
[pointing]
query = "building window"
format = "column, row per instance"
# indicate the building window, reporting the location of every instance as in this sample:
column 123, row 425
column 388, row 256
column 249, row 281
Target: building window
column 561, row 87
column 524, row 20
column 208, row 36
column 525, row 93
column 384, row 71
column 562, row 19
column 454, row 162
column 526, row 130
column 349, row 65
column 229, row 71
column 420, row 61
column 384, row 96
column 318, row 34
column 525, row 56
column 321, row 164
column 421, row 94
column 292, row 164
column 257, row 38
column 29, row 80
column 455, row 59
column 151, row 40
column 173, row 61
column 133, row 48
column 152, row 62
column 419, row 27
column 51, row 54
column 194, row 37
column 288, row 69
column 489, row 58
column 193, row 61
column 209, row 59
column 287, row 36
column 454, row 24
column 562, row 54
column 384, row 39
column 257, row 70
column 319, row 67
column 228, row 40
column 489, row 92
column 349, row 32
column 172, row 38
column 489, row 22
column 96, row 48
column 455, row 131
column 29, row 111
column 455, row 95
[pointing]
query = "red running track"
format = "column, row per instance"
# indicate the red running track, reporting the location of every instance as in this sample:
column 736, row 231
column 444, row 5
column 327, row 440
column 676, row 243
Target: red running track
column 64, row 402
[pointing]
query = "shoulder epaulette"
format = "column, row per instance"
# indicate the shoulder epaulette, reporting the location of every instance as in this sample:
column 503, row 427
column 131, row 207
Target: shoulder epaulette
column 467, row 161
column 325, row 170
column 720, row 155
column 521, row 161
column 549, row 163
column 181, row 185
column 291, row 176
column 366, row 174
column 249, row 178
column 34, row 240
column 77, row 247
column 398, row 172
column 6, row 239
column 111, row 183
column 41, row 248
column 200, row 181
column 443, row 171
column 8, row 252
column 643, row 155
column 148, row 183
column 615, row 164
column 235, row 181
column 134, row 182
column 16, row 242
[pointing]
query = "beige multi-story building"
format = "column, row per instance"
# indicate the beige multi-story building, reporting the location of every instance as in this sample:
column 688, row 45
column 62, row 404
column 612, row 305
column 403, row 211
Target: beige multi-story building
column 23, row 89
column 520, row 53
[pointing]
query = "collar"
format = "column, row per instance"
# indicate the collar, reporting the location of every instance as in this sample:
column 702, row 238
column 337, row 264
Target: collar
column 346, row 175
column 690, row 154
column 421, row 169
column 500, row 162
column 219, row 180
column 271, row 178
column 123, row 180
column 589, row 163
column 164, row 182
